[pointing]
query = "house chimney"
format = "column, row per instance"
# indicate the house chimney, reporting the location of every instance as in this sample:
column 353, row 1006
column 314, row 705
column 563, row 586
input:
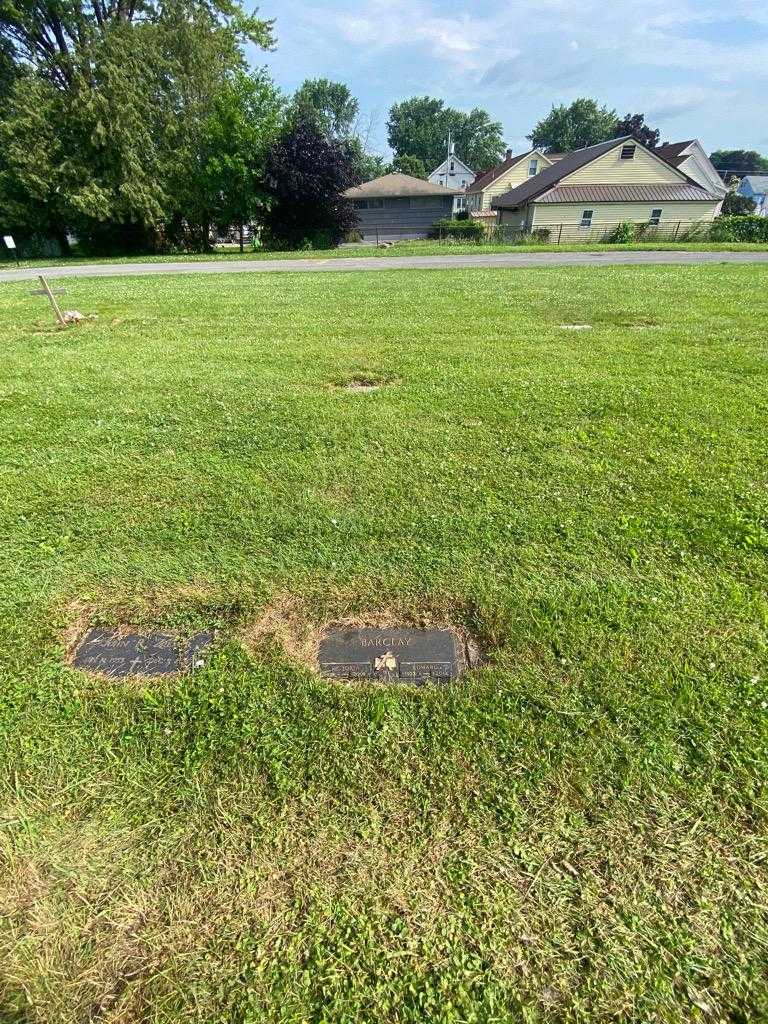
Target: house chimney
column 509, row 154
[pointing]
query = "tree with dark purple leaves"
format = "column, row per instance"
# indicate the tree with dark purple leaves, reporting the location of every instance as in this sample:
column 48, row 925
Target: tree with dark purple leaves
column 306, row 176
column 634, row 125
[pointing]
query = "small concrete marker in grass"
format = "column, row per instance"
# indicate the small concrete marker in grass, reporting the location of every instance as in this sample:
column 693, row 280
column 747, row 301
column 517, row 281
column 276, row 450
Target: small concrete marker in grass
column 118, row 654
column 391, row 655
column 575, row 327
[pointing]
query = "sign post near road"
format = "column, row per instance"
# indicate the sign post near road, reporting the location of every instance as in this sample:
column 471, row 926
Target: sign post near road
column 11, row 244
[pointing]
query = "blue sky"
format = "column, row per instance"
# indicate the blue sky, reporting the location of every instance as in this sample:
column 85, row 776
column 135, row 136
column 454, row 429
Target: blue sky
column 696, row 68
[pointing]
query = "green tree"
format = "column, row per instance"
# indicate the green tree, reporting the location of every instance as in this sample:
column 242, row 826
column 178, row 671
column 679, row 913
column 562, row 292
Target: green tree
column 246, row 119
column 738, row 162
column 419, row 127
column 580, row 124
column 736, row 205
column 124, row 91
column 330, row 104
column 409, row 165
column 53, row 36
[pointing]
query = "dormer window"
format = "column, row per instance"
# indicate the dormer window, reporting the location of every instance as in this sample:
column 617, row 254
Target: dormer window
column 533, row 167
column 452, row 166
column 628, row 151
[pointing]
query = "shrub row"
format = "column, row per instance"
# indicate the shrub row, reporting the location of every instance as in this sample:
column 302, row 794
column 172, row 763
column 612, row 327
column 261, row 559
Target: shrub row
column 468, row 230
column 739, row 229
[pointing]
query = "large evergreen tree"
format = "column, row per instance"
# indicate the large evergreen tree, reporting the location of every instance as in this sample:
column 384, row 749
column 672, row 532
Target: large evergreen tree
column 114, row 106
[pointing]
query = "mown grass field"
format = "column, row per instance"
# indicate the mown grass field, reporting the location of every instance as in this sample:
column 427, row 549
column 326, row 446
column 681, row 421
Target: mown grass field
column 411, row 248
column 574, row 832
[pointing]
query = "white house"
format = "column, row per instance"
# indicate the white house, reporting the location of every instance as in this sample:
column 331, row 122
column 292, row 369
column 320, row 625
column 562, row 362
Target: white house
column 453, row 173
column 690, row 158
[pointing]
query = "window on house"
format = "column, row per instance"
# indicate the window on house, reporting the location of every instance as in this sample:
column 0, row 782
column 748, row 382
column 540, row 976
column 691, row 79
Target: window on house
column 375, row 204
column 361, row 204
column 628, row 151
column 533, row 167
column 452, row 166
column 655, row 217
column 586, row 218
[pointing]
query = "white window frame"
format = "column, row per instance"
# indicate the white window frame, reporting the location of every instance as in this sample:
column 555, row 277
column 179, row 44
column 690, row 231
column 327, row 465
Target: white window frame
column 655, row 219
column 586, row 218
column 533, row 167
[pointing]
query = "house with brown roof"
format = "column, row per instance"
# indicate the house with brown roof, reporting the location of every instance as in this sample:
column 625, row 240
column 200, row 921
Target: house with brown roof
column 397, row 206
column 587, row 192
column 513, row 170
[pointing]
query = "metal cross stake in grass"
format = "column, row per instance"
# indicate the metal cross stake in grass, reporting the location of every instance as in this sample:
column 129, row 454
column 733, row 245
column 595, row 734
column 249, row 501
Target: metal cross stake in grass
column 51, row 293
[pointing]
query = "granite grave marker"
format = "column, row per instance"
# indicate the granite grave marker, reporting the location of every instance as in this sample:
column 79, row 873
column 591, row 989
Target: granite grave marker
column 394, row 655
column 117, row 653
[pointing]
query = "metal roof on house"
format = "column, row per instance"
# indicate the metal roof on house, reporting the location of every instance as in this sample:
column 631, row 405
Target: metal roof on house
column 534, row 188
column 490, row 176
column 399, row 185
column 550, row 176
column 627, row 194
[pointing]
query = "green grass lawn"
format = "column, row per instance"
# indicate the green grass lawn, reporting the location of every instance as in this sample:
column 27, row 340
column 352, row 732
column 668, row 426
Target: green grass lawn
column 413, row 248
column 576, row 831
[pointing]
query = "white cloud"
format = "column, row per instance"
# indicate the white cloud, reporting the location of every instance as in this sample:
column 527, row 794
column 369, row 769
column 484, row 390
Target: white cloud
column 518, row 57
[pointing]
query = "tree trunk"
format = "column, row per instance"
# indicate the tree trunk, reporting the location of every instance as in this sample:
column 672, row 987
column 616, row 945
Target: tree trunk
column 241, row 237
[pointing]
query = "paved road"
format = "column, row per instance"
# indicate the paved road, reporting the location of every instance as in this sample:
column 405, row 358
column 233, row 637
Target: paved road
column 448, row 262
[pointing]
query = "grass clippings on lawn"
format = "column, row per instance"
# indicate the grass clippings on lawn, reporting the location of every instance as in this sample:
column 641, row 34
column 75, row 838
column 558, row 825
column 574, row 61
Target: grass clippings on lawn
column 573, row 832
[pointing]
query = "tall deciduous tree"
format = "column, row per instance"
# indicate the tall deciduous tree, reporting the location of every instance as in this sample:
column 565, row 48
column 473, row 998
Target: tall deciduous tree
column 634, row 125
column 306, row 175
column 330, row 104
column 409, row 165
column 738, row 162
column 582, row 123
column 419, row 127
column 246, row 119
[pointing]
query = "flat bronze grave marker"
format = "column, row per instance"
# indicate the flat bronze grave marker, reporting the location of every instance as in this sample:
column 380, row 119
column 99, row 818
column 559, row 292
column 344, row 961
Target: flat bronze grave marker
column 117, row 654
column 393, row 655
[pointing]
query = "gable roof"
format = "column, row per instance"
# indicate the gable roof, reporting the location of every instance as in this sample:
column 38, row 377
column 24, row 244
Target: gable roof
column 394, row 185
column 495, row 172
column 457, row 160
column 552, row 176
column 674, row 152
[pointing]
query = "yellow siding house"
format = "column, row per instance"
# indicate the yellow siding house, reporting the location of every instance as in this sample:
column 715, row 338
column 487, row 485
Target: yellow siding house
column 587, row 192
column 511, row 172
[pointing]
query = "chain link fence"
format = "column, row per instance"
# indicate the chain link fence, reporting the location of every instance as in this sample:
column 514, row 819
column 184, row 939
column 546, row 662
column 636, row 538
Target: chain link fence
column 577, row 232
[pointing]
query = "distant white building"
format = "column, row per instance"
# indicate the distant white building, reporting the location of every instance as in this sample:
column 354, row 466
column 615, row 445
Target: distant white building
column 453, row 173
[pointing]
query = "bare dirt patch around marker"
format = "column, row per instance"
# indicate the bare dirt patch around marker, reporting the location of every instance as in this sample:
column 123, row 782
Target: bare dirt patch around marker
column 363, row 383
column 288, row 625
